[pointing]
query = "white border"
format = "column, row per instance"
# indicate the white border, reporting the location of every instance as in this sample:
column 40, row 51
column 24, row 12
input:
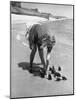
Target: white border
column 5, row 48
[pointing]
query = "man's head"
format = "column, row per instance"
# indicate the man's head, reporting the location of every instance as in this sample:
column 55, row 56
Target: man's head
column 53, row 40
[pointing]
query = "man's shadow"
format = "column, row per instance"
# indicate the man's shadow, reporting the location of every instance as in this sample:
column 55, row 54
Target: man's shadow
column 36, row 68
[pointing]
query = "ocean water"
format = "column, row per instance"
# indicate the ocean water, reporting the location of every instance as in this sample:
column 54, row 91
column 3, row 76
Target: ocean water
column 25, row 84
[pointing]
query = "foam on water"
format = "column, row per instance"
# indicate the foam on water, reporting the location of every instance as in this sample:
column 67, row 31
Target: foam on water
column 26, row 19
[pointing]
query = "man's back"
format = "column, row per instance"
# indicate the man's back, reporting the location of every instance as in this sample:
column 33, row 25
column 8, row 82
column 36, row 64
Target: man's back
column 39, row 33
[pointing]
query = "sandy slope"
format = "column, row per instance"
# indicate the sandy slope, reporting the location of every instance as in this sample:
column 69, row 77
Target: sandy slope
column 25, row 84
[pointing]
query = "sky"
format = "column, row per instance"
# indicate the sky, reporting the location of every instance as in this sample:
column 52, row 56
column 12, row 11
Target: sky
column 58, row 10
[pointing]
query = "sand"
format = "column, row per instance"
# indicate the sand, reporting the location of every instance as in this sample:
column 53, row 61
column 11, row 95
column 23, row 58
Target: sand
column 24, row 84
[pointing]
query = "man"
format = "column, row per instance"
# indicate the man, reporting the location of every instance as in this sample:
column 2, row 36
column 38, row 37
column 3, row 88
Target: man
column 39, row 38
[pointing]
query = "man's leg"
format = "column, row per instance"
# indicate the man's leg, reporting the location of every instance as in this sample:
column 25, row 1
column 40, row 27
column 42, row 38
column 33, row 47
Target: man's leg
column 41, row 54
column 32, row 55
column 48, row 56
